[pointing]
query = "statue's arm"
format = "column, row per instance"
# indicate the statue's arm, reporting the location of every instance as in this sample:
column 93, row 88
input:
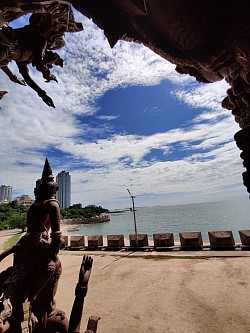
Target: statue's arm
column 56, row 235
column 12, row 76
column 24, row 71
column 80, row 293
column 54, row 214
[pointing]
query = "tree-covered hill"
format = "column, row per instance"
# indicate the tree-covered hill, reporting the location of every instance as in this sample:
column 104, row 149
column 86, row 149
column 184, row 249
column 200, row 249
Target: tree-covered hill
column 89, row 211
column 13, row 215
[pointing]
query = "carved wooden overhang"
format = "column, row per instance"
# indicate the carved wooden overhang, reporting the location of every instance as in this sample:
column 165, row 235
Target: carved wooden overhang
column 209, row 40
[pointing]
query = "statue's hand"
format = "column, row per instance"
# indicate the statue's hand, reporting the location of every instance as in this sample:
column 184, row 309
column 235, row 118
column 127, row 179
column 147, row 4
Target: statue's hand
column 32, row 322
column 50, row 77
column 62, row 243
column 15, row 79
column 84, row 275
column 46, row 99
column 85, row 270
column 57, row 315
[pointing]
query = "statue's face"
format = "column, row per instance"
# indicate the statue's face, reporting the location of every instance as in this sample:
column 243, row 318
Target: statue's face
column 51, row 192
column 47, row 191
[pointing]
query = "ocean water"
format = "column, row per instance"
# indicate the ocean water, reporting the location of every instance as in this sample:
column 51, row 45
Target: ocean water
column 204, row 217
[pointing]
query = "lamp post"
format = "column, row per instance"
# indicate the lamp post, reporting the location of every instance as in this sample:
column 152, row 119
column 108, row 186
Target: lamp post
column 133, row 209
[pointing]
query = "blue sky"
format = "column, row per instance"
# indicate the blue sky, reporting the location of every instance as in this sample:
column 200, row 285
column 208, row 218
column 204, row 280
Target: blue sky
column 123, row 119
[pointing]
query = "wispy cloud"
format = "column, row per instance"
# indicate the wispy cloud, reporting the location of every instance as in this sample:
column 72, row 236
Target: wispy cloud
column 107, row 118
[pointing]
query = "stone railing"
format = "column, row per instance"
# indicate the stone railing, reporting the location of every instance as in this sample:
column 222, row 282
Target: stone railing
column 218, row 240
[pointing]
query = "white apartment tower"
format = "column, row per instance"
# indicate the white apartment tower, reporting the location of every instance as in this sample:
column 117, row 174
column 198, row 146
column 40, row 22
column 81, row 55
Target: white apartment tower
column 5, row 193
column 63, row 195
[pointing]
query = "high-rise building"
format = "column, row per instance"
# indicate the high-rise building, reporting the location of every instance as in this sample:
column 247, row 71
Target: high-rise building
column 5, row 193
column 63, row 195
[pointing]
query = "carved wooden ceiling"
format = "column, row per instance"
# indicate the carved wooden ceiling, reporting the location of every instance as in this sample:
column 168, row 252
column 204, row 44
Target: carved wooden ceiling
column 205, row 39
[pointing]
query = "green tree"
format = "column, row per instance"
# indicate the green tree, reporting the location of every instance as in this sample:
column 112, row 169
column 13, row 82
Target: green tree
column 18, row 220
column 13, row 216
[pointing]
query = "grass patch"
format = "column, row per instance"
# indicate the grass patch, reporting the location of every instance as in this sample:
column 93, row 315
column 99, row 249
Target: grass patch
column 12, row 241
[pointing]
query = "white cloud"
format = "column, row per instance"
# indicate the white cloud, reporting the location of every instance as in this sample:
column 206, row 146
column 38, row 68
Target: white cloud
column 206, row 96
column 29, row 129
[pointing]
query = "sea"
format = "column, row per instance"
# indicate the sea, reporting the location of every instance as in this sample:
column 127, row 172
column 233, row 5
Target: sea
column 204, row 217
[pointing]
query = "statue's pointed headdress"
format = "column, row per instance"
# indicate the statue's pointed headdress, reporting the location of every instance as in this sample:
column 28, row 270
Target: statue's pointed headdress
column 45, row 187
column 47, row 175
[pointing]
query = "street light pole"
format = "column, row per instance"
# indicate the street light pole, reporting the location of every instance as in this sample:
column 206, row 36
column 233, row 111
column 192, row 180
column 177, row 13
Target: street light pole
column 133, row 209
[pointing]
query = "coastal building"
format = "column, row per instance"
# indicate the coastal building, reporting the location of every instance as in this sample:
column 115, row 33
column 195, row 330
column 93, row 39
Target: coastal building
column 63, row 195
column 5, row 193
column 24, row 200
column 77, row 206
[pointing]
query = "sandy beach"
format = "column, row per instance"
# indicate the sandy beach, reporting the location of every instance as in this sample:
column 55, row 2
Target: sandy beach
column 152, row 292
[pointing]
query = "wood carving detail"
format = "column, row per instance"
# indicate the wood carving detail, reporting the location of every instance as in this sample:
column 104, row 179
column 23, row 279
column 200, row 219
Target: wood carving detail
column 34, row 43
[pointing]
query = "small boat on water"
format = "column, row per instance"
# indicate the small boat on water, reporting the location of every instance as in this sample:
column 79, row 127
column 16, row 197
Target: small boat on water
column 73, row 229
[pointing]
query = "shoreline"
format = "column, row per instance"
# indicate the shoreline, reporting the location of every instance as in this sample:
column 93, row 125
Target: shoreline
column 6, row 234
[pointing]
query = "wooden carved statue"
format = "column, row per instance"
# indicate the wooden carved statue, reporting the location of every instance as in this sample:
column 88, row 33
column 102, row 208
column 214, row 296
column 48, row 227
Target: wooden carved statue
column 34, row 44
column 28, row 287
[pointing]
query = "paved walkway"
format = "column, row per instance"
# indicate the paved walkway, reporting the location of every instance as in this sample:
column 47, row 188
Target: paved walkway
column 175, row 253
column 5, row 234
column 186, row 294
